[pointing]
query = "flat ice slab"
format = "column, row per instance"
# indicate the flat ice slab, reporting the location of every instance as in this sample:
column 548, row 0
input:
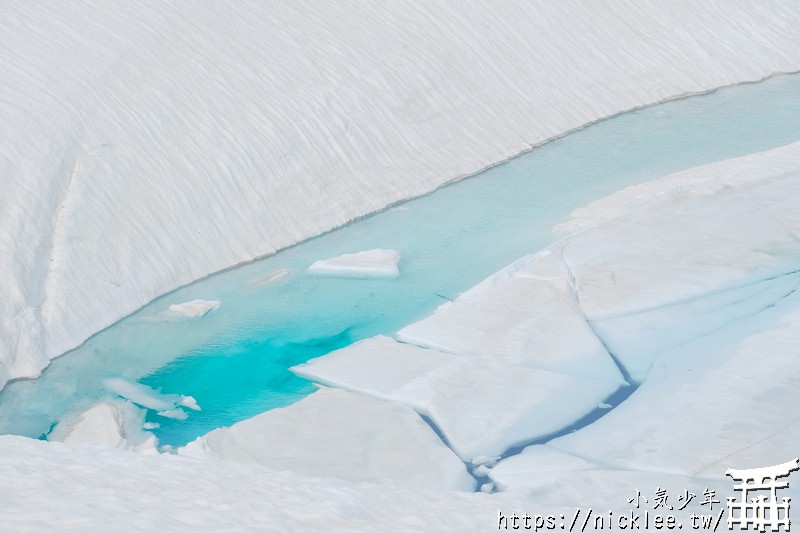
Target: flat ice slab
column 334, row 433
column 529, row 316
column 482, row 406
column 195, row 308
column 371, row 263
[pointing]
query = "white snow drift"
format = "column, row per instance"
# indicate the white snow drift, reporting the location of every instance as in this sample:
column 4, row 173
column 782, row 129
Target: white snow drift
column 341, row 434
column 146, row 145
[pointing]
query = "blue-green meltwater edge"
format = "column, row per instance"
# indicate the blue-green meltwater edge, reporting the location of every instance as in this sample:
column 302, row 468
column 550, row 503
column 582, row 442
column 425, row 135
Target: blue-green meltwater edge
column 235, row 360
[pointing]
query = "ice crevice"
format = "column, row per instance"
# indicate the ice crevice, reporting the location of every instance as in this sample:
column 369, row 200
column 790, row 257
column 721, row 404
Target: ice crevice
column 579, row 308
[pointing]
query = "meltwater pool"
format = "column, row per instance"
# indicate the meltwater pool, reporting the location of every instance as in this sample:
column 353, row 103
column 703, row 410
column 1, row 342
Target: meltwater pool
column 234, row 361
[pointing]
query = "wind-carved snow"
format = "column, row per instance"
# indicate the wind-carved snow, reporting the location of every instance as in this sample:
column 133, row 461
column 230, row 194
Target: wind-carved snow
column 379, row 262
column 148, row 169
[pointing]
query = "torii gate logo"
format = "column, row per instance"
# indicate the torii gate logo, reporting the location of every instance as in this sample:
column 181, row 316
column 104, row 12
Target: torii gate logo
column 757, row 510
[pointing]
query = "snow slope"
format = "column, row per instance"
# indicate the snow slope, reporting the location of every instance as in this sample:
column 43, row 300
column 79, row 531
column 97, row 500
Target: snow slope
column 146, row 145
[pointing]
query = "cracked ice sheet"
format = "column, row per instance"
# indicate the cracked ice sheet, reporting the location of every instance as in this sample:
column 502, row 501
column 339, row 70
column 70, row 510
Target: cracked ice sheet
column 482, row 406
column 686, row 253
column 695, row 240
column 637, row 339
column 727, row 400
column 334, row 433
column 526, row 315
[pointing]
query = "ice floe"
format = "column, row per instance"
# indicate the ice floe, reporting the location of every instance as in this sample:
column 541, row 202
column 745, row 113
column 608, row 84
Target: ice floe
column 166, row 405
column 370, row 263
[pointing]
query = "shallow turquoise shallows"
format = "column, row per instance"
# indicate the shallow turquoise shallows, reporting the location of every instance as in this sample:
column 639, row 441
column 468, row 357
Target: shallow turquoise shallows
column 234, row 361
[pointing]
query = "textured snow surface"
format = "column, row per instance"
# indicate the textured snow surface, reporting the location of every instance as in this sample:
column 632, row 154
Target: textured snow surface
column 75, row 488
column 95, row 489
column 147, row 145
column 482, row 406
column 378, row 262
column 341, row 434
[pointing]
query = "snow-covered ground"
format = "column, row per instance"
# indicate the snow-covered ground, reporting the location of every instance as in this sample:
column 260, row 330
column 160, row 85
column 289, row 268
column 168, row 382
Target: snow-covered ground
column 720, row 396
column 147, row 145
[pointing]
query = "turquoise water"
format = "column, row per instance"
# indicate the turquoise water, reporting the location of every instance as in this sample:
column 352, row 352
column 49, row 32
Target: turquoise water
column 234, row 361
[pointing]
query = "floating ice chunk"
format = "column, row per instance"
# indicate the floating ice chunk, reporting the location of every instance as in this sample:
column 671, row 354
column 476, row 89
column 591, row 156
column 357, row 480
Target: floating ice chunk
column 372, row 263
column 482, row 406
column 195, row 308
column 522, row 320
column 190, row 402
column 115, row 424
column 341, row 434
column 151, row 425
column 165, row 404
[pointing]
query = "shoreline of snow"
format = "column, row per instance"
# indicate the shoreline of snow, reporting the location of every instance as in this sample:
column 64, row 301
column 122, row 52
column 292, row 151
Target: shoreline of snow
column 138, row 176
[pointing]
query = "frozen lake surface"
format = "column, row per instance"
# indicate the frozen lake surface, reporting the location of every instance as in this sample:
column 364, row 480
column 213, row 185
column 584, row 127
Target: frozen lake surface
column 234, row 359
